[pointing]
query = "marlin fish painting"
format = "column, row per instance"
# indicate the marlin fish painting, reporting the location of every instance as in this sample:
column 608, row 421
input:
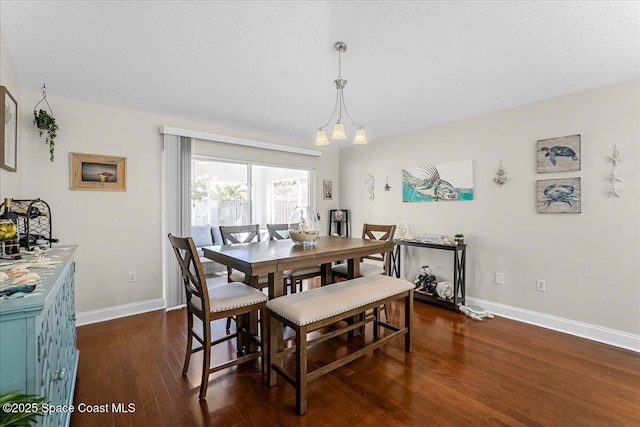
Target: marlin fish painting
column 427, row 183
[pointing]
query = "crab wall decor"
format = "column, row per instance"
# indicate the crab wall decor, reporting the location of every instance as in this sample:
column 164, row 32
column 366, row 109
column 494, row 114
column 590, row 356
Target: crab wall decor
column 559, row 154
column 559, row 195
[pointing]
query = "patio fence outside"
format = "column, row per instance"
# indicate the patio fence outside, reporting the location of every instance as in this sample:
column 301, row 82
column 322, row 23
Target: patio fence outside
column 236, row 212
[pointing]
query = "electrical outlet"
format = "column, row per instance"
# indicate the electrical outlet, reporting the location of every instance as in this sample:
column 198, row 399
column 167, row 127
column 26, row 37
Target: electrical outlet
column 132, row 276
column 541, row 285
column 499, row 278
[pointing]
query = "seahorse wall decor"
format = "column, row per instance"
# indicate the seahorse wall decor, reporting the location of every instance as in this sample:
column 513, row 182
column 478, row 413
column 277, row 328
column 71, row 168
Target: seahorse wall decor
column 371, row 186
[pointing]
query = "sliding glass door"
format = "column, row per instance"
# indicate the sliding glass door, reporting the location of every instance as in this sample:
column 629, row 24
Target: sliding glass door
column 227, row 192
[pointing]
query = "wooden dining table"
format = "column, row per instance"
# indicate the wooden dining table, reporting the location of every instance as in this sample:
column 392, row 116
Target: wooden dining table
column 274, row 257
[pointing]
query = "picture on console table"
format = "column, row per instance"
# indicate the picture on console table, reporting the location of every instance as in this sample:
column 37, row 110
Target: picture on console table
column 559, row 154
column 438, row 182
column 559, row 195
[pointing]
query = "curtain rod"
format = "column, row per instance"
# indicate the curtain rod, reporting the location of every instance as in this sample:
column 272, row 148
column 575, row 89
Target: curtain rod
column 238, row 141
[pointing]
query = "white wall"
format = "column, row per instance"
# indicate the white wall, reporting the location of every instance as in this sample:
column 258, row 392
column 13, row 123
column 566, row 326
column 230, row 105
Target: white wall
column 9, row 79
column 590, row 261
column 117, row 232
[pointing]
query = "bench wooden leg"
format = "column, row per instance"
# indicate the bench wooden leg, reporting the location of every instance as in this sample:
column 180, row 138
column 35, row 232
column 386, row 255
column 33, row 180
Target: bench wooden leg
column 376, row 330
column 301, row 370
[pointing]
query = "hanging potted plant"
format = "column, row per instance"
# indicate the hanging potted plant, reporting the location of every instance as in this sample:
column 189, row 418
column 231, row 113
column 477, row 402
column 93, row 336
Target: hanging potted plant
column 46, row 123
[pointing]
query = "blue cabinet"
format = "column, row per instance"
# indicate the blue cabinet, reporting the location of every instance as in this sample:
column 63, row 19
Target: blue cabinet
column 38, row 353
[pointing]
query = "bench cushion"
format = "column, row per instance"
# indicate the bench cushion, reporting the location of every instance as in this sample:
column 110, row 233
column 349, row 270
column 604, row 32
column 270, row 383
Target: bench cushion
column 311, row 306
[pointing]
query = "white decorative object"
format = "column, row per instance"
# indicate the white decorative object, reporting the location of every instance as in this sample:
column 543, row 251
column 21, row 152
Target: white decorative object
column 616, row 157
column 614, row 179
column 501, row 176
column 304, row 228
column 371, row 186
column 444, row 290
column 475, row 312
column 403, row 231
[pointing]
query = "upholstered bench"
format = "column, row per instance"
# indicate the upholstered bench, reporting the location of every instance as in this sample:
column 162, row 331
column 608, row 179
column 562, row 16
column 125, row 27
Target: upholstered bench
column 308, row 311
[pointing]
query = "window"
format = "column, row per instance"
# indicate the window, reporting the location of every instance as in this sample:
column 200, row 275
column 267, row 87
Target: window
column 220, row 192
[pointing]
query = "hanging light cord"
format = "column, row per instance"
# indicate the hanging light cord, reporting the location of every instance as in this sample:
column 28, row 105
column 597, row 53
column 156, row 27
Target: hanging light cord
column 44, row 98
column 340, row 103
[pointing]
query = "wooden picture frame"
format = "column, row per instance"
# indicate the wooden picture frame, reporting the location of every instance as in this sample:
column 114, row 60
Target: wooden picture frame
column 562, row 195
column 327, row 189
column 8, row 131
column 562, row 154
column 98, row 172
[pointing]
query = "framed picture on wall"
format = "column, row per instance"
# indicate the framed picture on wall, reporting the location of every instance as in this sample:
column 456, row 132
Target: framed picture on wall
column 327, row 189
column 98, row 172
column 562, row 195
column 8, row 130
column 559, row 154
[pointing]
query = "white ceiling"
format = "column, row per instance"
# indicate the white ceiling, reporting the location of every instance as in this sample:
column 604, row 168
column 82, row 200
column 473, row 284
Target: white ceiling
column 268, row 66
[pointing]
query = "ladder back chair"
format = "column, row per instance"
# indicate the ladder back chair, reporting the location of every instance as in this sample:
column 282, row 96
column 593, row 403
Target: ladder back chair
column 212, row 303
column 296, row 276
column 370, row 232
column 235, row 234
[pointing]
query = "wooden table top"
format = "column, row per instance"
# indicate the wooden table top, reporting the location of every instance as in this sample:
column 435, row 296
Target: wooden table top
column 280, row 255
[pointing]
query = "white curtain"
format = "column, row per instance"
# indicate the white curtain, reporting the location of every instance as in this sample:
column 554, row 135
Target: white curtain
column 176, row 211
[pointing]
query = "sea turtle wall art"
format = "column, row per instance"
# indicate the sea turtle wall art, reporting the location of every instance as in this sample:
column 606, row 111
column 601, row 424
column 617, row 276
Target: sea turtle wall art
column 559, row 154
column 559, row 195
column 438, row 182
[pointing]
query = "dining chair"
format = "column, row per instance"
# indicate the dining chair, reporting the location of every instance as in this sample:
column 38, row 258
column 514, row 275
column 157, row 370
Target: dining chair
column 235, row 234
column 217, row 302
column 293, row 277
column 383, row 260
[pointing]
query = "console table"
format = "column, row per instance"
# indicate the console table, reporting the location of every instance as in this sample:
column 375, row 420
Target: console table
column 459, row 269
column 38, row 353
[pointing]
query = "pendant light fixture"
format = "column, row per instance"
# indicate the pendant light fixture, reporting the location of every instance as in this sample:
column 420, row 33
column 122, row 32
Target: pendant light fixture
column 338, row 129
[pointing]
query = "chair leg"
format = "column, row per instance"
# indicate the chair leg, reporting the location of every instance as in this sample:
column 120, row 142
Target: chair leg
column 228, row 325
column 264, row 339
column 187, row 357
column 275, row 334
column 206, row 360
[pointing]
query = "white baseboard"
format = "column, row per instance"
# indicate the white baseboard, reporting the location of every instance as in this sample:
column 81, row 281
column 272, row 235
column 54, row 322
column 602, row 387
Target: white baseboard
column 100, row 315
column 571, row 327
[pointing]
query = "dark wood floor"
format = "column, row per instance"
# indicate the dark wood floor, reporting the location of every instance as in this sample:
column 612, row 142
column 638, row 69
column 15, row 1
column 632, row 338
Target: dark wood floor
column 461, row 372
